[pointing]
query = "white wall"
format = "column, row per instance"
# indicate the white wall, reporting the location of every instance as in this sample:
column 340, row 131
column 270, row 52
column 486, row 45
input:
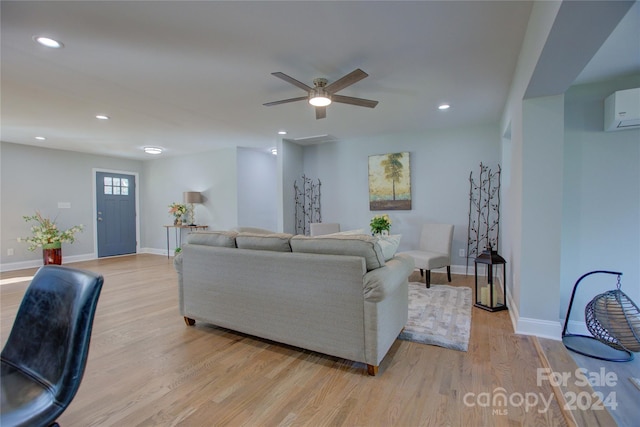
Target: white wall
column 257, row 189
column 601, row 210
column 440, row 165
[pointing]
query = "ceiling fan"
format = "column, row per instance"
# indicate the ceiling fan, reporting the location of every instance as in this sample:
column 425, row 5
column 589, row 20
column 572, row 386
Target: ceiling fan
column 321, row 94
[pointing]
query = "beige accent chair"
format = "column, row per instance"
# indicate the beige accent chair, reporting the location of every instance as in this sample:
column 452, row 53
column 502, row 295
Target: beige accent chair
column 435, row 250
column 322, row 228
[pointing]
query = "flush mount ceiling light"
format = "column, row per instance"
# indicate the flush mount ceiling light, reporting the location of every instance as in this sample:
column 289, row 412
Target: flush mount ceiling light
column 282, row 132
column 153, row 150
column 48, row 42
column 102, row 117
column 40, row 138
column 444, row 107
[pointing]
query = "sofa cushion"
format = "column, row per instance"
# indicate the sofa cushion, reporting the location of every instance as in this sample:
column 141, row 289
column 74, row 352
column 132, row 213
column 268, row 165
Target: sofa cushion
column 389, row 245
column 225, row 239
column 278, row 242
column 355, row 245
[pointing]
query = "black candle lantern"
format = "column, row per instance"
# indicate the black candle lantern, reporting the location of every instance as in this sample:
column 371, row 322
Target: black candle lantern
column 489, row 296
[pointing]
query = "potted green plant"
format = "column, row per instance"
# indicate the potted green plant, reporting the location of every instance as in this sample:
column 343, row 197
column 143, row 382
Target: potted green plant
column 45, row 234
column 380, row 224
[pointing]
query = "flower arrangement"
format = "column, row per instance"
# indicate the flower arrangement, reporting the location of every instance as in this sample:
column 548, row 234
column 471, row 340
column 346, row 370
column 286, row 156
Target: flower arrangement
column 379, row 223
column 46, row 233
column 177, row 209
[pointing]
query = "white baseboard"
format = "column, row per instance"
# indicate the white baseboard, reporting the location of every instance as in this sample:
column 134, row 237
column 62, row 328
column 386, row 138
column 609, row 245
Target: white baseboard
column 540, row 328
column 35, row 263
column 529, row 326
column 455, row 269
column 153, row 251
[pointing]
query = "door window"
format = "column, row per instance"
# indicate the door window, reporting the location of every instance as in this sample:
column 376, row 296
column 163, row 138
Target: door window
column 116, row 186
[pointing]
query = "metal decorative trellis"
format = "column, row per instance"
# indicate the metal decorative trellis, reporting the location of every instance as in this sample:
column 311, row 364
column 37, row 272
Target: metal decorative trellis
column 484, row 212
column 307, row 198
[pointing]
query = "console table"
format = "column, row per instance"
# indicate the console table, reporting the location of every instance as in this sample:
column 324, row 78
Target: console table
column 178, row 233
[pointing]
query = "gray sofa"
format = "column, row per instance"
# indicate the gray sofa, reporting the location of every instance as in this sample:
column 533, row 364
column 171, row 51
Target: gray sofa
column 333, row 294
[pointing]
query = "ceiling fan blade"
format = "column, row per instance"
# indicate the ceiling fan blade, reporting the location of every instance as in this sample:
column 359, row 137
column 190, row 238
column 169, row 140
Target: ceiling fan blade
column 360, row 102
column 291, row 80
column 348, row 80
column 284, row 101
column 321, row 112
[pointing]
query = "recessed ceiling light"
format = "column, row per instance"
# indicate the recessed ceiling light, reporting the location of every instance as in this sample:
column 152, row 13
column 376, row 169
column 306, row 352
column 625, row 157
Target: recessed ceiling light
column 444, row 106
column 153, row 150
column 40, row 138
column 48, row 42
column 282, row 132
column 102, row 117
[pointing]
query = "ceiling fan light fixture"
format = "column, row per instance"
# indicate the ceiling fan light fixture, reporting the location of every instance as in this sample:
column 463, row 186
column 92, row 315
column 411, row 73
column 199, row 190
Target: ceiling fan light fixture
column 48, row 42
column 319, row 98
column 153, row 150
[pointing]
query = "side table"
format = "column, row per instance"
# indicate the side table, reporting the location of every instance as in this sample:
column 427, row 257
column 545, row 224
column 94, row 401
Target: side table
column 178, row 233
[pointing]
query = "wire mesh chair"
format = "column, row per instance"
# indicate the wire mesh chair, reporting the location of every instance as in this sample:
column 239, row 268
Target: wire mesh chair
column 614, row 322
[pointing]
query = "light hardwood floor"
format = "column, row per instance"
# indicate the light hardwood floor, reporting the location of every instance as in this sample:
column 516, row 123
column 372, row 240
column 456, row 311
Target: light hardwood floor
column 147, row 368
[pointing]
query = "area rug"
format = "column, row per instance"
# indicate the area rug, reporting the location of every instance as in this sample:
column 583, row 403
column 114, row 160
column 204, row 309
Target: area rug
column 440, row 315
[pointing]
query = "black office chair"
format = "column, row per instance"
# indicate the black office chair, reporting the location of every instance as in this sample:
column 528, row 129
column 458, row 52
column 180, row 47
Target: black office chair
column 44, row 358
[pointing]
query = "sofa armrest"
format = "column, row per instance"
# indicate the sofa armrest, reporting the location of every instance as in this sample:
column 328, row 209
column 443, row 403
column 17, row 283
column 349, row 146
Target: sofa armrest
column 383, row 281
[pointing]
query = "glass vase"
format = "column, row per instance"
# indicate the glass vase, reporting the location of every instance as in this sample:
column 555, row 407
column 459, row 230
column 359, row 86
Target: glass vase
column 52, row 254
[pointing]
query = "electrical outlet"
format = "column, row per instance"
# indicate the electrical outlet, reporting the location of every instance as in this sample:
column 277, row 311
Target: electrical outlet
column 461, row 253
column 9, row 251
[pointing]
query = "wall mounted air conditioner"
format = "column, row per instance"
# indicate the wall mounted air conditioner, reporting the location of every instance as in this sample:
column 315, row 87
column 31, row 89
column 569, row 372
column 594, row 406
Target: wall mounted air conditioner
column 622, row 110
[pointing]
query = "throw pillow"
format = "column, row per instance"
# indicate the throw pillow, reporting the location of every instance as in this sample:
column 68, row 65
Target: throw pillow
column 278, row 242
column 389, row 245
column 347, row 233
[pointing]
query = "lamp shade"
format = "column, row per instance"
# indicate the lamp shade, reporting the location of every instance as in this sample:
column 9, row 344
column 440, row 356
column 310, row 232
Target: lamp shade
column 192, row 197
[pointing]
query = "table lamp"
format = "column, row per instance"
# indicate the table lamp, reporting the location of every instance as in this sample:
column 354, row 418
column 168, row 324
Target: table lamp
column 191, row 197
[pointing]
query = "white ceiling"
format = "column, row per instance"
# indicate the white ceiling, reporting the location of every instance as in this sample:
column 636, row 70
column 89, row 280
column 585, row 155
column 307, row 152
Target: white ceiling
column 192, row 76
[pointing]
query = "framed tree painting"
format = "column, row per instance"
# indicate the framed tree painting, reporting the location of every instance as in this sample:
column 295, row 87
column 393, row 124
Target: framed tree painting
column 389, row 182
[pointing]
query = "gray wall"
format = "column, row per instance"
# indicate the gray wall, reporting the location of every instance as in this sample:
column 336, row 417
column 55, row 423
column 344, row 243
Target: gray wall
column 601, row 206
column 290, row 166
column 440, row 165
column 240, row 187
column 212, row 173
column 36, row 179
column 257, row 189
